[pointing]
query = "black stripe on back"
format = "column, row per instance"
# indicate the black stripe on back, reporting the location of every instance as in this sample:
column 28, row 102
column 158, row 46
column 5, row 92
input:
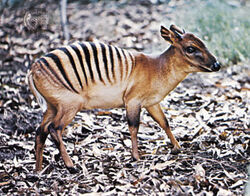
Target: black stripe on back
column 52, row 71
column 118, row 54
column 96, row 60
column 72, row 62
column 112, row 60
column 45, row 69
column 120, row 60
column 132, row 59
column 81, row 61
column 104, row 58
column 60, row 67
column 87, row 57
column 126, row 61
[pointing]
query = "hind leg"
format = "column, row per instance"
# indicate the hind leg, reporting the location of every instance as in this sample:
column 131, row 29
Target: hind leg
column 62, row 119
column 41, row 135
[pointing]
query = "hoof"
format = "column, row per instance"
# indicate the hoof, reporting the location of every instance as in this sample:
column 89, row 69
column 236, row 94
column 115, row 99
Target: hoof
column 136, row 157
column 73, row 170
column 175, row 150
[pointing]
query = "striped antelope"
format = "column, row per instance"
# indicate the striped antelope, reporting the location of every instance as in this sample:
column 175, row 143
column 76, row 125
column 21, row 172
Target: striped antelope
column 85, row 76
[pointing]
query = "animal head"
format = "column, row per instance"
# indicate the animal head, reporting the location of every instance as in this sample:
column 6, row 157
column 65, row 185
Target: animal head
column 194, row 51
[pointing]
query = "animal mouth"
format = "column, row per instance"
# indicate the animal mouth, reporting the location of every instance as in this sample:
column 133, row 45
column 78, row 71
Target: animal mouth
column 211, row 68
column 205, row 69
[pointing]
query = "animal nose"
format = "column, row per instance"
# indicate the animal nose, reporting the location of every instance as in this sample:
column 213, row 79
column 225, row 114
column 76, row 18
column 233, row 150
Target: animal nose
column 215, row 66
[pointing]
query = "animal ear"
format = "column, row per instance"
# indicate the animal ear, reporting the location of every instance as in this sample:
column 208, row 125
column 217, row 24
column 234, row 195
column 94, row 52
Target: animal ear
column 177, row 32
column 167, row 35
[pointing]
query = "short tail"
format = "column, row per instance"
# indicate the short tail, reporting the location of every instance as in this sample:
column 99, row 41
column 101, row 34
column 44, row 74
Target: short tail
column 39, row 98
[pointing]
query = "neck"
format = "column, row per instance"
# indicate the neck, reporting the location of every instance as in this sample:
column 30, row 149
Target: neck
column 172, row 66
column 161, row 74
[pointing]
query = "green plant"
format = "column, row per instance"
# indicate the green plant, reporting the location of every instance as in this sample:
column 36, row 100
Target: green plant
column 224, row 27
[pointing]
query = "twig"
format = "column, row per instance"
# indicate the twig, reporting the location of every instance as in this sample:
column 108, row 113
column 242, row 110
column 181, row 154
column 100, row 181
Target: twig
column 63, row 12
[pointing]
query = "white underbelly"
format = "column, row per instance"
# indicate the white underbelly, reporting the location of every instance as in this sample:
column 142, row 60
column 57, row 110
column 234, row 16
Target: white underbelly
column 103, row 97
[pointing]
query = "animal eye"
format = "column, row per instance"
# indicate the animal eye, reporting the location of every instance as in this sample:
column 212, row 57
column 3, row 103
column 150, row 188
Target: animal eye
column 190, row 49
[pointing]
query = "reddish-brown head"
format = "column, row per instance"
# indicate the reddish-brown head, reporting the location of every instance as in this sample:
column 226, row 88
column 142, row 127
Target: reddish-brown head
column 192, row 49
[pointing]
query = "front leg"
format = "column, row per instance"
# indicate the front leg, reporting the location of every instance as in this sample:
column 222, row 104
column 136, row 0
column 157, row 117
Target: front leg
column 133, row 110
column 157, row 114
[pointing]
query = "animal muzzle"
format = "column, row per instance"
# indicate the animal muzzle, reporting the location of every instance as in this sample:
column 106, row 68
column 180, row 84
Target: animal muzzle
column 216, row 66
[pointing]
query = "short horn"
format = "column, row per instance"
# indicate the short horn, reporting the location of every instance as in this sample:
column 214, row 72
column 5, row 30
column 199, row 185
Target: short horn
column 176, row 29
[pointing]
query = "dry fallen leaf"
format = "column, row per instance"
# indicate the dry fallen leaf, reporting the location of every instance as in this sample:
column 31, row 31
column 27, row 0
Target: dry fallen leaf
column 200, row 173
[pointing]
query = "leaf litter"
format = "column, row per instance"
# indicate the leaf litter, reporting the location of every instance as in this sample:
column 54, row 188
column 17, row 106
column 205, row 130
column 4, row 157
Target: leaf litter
column 208, row 113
